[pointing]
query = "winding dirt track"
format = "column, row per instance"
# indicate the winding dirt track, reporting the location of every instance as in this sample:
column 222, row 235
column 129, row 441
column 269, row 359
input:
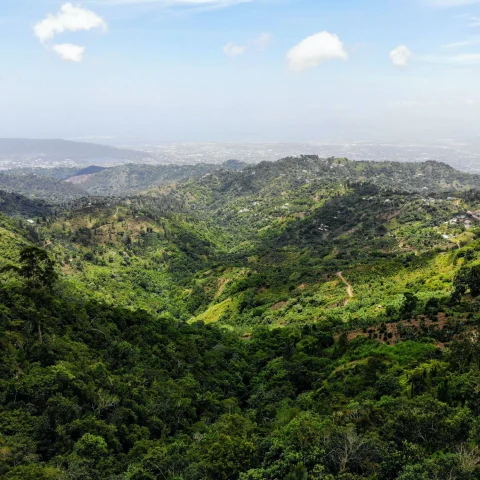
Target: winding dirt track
column 347, row 284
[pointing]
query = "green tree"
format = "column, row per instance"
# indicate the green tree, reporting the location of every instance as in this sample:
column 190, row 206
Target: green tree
column 36, row 267
column 38, row 270
column 408, row 305
column 467, row 278
column 298, row 473
column 33, row 472
column 227, row 449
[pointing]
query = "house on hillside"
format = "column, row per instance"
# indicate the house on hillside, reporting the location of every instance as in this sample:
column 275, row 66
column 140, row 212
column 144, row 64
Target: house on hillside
column 468, row 220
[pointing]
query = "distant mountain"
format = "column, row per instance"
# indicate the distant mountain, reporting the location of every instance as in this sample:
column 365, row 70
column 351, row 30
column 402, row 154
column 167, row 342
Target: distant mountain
column 134, row 178
column 40, row 187
column 58, row 185
column 292, row 172
column 90, row 170
column 65, row 149
column 235, row 179
column 83, row 175
column 60, row 173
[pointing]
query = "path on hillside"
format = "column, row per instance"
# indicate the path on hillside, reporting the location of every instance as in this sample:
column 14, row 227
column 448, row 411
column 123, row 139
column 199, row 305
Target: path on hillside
column 348, row 285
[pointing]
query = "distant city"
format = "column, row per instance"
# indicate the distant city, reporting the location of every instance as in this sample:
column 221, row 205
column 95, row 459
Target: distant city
column 462, row 156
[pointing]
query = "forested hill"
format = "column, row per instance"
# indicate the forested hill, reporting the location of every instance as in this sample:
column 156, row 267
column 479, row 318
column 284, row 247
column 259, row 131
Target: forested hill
column 297, row 320
column 39, row 187
column 16, row 205
column 291, row 172
column 59, row 185
column 234, row 179
column 132, row 178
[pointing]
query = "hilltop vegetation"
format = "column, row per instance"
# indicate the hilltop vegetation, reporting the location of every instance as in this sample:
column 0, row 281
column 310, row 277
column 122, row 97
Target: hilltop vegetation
column 59, row 185
column 293, row 320
column 16, row 205
column 234, row 179
column 132, row 178
column 40, row 187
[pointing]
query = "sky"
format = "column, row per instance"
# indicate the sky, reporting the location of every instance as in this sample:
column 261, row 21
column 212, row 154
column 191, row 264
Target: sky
column 240, row 70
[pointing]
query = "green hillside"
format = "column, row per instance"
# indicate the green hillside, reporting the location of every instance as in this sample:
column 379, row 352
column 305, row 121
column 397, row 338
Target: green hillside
column 40, row 187
column 133, row 178
column 304, row 319
column 58, row 185
column 17, row 205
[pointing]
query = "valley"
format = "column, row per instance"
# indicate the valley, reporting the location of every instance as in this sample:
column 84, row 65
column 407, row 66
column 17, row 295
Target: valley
column 309, row 318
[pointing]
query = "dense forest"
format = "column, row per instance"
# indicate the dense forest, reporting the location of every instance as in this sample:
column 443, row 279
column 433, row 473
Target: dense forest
column 299, row 320
column 61, row 184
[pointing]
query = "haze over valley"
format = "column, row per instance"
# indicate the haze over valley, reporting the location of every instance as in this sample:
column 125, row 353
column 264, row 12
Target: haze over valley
column 17, row 154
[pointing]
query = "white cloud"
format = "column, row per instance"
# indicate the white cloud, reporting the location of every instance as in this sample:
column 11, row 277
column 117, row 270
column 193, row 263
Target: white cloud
column 69, row 52
column 263, row 41
column 70, row 18
column 233, row 50
column 400, row 56
column 314, row 50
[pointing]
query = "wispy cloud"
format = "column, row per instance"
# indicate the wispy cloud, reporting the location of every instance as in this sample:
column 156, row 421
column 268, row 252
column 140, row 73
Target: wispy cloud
column 233, row 50
column 400, row 56
column 463, row 59
column 314, row 50
column 263, row 41
column 451, row 3
column 474, row 21
column 470, row 20
column 173, row 3
column 462, row 44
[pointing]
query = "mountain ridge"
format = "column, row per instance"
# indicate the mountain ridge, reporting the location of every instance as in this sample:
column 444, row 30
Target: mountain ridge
column 63, row 149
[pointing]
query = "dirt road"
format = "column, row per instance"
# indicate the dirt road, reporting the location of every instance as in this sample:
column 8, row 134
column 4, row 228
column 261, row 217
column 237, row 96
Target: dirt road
column 347, row 284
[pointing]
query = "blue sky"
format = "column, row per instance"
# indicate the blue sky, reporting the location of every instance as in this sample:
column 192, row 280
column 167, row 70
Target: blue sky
column 263, row 70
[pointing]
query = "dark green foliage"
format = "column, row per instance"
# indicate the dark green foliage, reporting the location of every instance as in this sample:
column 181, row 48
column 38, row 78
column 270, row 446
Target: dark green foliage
column 171, row 337
column 114, row 393
column 133, row 178
column 40, row 187
column 14, row 204
column 37, row 268
column 299, row 473
column 467, row 278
